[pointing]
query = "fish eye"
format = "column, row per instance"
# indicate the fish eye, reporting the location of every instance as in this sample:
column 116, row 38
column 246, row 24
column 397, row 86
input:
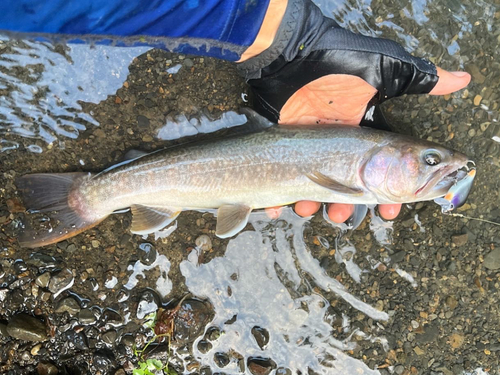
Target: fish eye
column 432, row 158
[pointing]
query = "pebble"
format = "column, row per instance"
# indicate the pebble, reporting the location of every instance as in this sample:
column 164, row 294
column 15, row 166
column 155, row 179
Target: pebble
column 451, row 302
column 71, row 248
column 459, row 239
column 204, row 346
column 109, row 337
column 3, row 330
column 112, row 317
column 147, row 304
column 221, row 359
column 477, row 100
column 418, row 351
column 44, row 368
column 188, row 63
column 260, row 366
column 27, row 328
column 95, row 244
column 148, row 254
column 104, row 361
column 34, row 350
column 78, row 339
column 492, row 260
column 61, row 281
column 142, row 121
column 69, row 305
column 43, row 280
column 3, row 294
column 204, row 242
column 261, row 336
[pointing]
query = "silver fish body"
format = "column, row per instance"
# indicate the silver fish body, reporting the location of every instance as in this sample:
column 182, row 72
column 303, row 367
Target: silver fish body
column 275, row 167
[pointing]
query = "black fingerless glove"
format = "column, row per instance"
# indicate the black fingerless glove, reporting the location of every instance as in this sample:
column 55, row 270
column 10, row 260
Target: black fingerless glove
column 309, row 45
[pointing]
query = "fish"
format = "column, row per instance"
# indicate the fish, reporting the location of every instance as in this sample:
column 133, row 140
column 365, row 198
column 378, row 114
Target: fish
column 275, row 166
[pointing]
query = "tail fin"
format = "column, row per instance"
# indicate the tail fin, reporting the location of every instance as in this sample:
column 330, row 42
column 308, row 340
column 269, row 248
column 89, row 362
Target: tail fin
column 47, row 192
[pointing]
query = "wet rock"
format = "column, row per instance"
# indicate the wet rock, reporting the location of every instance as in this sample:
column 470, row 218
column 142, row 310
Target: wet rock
column 148, row 253
column 110, row 316
column 104, row 360
column 128, row 341
column 191, row 319
column 205, row 371
column 69, row 305
column 142, row 121
column 399, row 256
column 451, row 302
column 3, row 294
column 459, row 239
column 36, row 349
column 42, row 261
column 77, row 339
column 261, row 335
column 477, row 76
column 27, row 328
column 71, row 248
column 122, row 296
column 20, row 267
column 61, row 281
column 109, row 337
column 221, row 359
column 161, row 352
column 429, row 335
column 125, row 239
column 283, row 371
column 44, row 368
column 120, row 372
column 213, row 333
column 43, row 280
column 147, row 304
column 188, row 63
column 260, row 366
column 492, row 260
column 204, row 346
column 3, row 330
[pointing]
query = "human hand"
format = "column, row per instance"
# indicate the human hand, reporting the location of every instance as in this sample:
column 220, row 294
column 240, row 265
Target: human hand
column 327, row 75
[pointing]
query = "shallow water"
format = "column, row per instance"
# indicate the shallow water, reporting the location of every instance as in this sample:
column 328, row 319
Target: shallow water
column 377, row 301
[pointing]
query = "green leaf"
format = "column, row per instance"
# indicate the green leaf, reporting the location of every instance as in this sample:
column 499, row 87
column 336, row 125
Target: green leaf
column 150, row 320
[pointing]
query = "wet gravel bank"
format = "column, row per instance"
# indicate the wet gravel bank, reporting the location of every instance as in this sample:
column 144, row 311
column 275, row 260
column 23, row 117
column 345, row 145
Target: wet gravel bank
column 80, row 307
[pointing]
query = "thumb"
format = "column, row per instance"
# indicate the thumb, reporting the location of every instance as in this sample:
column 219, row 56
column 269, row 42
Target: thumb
column 450, row 82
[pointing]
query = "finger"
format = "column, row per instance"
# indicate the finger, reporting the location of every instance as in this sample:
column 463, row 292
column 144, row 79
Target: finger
column 450, row 82
column 389, row 211
column 340, row 212
column 274, row 212
column 306, row 208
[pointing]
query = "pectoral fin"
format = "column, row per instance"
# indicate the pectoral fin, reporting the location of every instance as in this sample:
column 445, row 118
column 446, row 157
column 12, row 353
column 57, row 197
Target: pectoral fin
column 329, row 183
column 147, row 219
column 231, row 218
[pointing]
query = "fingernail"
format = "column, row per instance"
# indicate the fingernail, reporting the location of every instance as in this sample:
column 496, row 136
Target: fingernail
column 460, row 74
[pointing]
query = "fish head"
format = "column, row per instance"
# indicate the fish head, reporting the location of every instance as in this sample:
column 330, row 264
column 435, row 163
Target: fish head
column 409, row 171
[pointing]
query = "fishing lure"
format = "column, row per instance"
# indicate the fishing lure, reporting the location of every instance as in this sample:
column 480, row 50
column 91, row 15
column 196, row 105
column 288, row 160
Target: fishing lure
column 458, row 193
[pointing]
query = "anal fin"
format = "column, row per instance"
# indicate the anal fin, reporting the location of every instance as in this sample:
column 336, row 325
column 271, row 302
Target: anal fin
column 231, row 218
column 148, row 219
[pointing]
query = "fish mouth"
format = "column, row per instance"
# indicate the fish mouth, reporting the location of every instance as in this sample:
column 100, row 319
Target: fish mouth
column 442, row 180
